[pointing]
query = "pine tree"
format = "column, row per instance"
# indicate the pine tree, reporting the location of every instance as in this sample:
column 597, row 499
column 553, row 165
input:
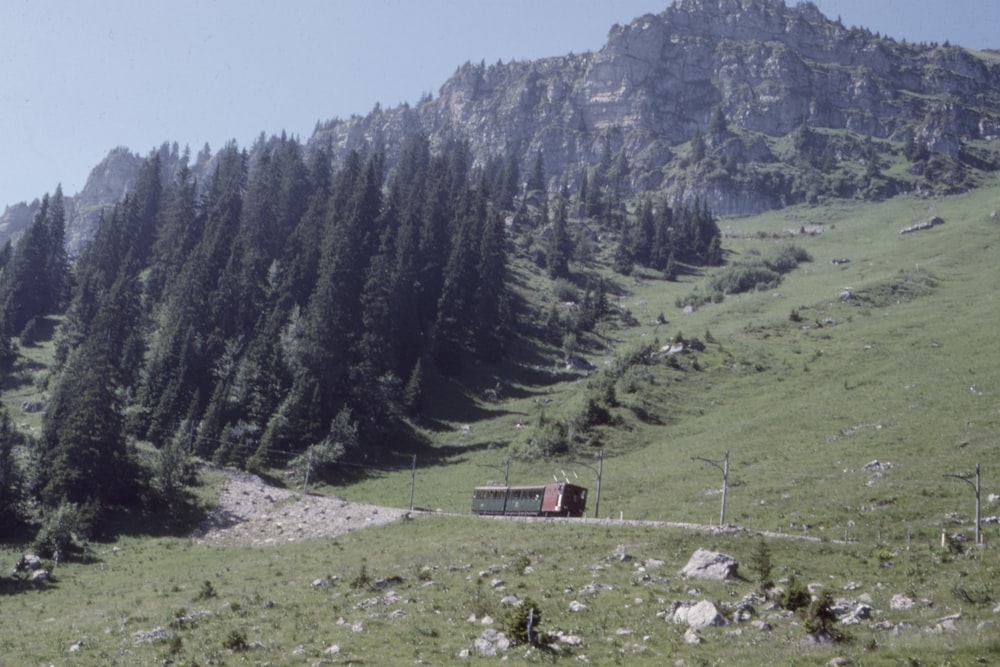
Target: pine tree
column 645, row 234
column 452, row 329
column 536, row 178
column 26, row 289
column 84, row 456
column 490, row 298
column 10, row 476
column 560, row 245
column 623, row 260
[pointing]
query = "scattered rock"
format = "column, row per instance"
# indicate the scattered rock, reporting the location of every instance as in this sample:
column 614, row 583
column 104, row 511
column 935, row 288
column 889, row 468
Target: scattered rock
column 699, row 615
column 490, row 642
column 878, row 466
column 155, row 635
column 817, row 639
column 576, row 606
column 706, row 564
column 900, row 602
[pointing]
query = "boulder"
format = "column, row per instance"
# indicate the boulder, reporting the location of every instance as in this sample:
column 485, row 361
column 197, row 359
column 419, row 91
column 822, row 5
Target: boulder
column 699, row 615
column 705, row 564
column 900, row 602
column 490, row 642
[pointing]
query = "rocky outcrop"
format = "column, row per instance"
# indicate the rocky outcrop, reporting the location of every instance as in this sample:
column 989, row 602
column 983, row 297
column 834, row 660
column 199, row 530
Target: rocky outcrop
column 705, row 564
column 768, row 67
column 765, row 67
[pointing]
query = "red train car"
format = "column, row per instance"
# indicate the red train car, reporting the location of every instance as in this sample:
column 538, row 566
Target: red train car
column 561, row 499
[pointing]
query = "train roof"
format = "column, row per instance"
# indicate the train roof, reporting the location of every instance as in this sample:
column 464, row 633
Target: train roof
column 526, row 486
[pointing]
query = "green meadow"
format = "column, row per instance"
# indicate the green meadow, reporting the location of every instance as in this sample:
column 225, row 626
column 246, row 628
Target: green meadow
column 889, row 356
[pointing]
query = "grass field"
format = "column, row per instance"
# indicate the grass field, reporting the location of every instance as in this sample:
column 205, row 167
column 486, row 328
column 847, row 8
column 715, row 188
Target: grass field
column 800, row 386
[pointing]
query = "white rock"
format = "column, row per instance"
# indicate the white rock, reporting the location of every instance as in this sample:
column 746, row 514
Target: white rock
column 705, row 564
column 699, row 615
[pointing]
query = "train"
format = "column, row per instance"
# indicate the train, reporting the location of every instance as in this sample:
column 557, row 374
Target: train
column 559, row 499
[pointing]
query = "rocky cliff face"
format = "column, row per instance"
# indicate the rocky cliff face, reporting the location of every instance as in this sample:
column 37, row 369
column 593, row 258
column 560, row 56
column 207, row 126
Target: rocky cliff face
column 765, row 67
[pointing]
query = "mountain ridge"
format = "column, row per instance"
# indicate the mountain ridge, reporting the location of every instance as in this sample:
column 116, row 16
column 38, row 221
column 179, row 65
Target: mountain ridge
column 766, row 68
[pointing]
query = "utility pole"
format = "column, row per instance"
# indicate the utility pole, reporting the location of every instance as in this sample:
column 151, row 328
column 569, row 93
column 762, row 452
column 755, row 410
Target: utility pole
column 725, row 480
column 600, row 472
column 413, row 479
column 309, row 460
column 974, row 485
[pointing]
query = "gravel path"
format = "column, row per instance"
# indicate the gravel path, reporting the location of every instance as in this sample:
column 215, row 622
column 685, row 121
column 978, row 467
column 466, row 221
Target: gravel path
column 253, row 513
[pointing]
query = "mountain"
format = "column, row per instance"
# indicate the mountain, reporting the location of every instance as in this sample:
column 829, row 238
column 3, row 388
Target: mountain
column 786, row 105
column 765, row 68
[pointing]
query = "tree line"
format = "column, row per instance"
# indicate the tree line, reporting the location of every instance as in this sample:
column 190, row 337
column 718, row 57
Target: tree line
column 286, row 303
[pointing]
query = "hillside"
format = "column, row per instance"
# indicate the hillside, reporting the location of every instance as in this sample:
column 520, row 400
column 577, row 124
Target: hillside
column 749, row 105
column 737, row 233
column 901, row 373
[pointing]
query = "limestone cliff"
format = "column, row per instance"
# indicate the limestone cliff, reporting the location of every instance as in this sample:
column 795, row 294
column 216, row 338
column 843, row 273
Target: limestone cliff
column 747, row 104
column 767, row 67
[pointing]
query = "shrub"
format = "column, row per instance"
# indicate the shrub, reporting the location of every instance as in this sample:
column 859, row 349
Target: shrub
column 65, row 528
column 795, row 596
column 362, row 579
column 760, row 564
column 522, row 624
column 236, row 640
column 206, row 592
column 821, row 618
column 29, row 335
column 565, row 290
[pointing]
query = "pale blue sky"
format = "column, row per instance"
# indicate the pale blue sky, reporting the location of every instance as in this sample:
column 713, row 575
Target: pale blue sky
column 79, row 78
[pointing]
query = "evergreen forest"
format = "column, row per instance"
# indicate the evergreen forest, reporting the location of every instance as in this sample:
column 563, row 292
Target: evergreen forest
column 292, row 306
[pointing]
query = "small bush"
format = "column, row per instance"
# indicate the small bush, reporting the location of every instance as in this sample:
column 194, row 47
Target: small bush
column 64, row 529
column 363, row 579
column 565, row 291
column 236, row 641
column 760, row 564
column 795, row 596
column 821, row 619
column 29, row 335
column 206, row 592
column 522, row 624
column 975, row 594
column 480, row 601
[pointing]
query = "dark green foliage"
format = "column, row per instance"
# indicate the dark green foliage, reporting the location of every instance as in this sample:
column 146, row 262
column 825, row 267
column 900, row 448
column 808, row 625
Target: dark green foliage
column 236, row 641
column 760, row 564
column 548, row 438
column 559, row 248
column 206, row 592
column 757, row 271
column 523, row 622
column 239, row 318
column 536, row 177
column 10, row 475
column 64, row 529
column 795, row 596
column 821, row 619
column 698, row 147
column 35, row 279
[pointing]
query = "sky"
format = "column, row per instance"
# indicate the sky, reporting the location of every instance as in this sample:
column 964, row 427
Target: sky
column 78, row 79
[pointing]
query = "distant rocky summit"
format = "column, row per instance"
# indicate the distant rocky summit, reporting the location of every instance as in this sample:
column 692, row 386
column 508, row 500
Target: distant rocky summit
column 746, row 105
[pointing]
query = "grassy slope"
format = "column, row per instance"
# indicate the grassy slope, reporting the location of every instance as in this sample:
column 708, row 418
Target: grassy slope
column 800, row 408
